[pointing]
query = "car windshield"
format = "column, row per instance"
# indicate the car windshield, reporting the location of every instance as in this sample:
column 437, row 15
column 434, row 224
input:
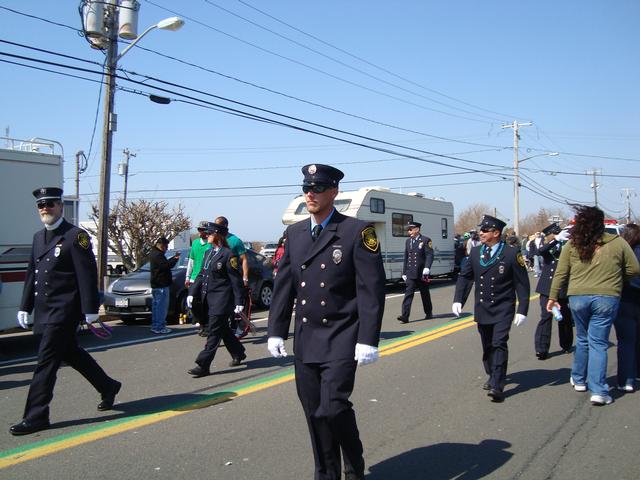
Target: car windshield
column 182, row 263
column 271, row 245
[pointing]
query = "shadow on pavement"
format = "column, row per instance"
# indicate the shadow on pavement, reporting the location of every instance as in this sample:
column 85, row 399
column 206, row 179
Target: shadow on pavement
column 462, row 461
column 531, row 379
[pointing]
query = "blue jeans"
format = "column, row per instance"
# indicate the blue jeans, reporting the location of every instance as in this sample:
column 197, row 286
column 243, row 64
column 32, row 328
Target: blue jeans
column 626, row 324
column 159, row 307
column 593, row 316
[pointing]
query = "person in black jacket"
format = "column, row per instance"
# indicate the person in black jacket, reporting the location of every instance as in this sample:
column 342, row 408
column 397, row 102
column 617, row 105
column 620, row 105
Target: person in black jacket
column 332, row 268
column 218, row 288
column 550, row 253
column 499, row 273
column 61, row 289
column 418, row 258
column 161, row 284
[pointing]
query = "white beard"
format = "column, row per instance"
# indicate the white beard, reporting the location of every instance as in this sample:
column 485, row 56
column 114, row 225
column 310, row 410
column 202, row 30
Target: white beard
column 48, row 219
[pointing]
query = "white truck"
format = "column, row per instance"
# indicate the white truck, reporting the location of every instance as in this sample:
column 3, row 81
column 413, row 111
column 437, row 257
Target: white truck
column 390, row 212
column 24, row 165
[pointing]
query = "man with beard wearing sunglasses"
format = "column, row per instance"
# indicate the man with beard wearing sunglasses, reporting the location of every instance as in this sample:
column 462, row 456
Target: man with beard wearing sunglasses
column 332, row 268
column 61, row 288
column 499, row 273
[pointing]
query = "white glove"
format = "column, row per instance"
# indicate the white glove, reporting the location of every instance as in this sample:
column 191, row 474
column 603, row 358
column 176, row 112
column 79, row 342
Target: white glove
column 238, row 309
column 404, row 278
column 456, row 308
column 89, row 318
column 563, row 236
column 23, row 317
column 425, row 271
column 275, row 345
column 190, row 301
column 365, row 354
column 519, row 319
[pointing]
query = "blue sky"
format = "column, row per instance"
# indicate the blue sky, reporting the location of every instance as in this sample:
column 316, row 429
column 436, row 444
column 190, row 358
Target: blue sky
column 453, row 70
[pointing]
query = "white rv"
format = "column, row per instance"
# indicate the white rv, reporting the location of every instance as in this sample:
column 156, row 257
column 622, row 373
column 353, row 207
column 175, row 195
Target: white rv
column 390, row 213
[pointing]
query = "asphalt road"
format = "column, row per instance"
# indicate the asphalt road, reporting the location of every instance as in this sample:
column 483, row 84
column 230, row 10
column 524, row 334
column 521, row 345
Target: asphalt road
column 421, row 411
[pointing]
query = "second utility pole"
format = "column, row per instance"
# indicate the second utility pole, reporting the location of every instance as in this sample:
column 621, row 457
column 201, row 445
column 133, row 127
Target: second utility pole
column 516, row 175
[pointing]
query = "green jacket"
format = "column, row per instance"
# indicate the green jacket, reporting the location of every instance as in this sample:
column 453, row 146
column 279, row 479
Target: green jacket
column 612, row 264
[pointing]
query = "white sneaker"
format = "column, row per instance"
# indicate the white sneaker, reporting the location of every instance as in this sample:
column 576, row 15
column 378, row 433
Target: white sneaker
column 577, row 387
column 601, row 400
column 627, row 388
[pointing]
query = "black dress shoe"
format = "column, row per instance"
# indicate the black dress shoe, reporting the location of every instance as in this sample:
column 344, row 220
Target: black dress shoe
column 496, row 395
column 353, row 476
column 428, row 316
column 198, row 372
column 109, row 398
column 401, row 319
column 235, row 361
column 542, row 355
column 25, row 427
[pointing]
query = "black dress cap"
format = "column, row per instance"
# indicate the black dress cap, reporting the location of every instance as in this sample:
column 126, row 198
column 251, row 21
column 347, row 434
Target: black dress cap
column 414, row 225
column 47, row 193
column 554, row 229
column 488, row 222
column 318, row 174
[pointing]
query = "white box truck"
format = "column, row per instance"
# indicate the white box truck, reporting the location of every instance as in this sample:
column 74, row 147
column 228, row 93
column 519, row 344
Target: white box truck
column 24, row 165
column 390, row 212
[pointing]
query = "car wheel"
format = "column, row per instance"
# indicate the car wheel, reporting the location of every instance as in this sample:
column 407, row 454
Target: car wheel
column 264, row 296
column 179, row 309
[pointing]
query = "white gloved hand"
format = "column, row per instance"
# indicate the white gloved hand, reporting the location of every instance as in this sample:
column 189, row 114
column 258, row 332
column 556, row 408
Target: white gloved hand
column 23, row 318
column 365, row 354
column 563, row 236
column 456, row 308
column 404, row 278
column 519, row 319
column 425, row 271
column 238, row 309
column 190, row 301
column 89, row 318
column 275, row 345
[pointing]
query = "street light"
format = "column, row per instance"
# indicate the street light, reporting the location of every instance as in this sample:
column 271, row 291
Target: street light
column 110, row 124
column 516, row 186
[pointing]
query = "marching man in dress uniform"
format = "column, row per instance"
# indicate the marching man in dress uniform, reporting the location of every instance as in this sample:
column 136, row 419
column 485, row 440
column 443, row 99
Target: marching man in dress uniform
column 500, row 275
column 61, row 289
column 332, row 268
column 418, row 257
column 550, row 253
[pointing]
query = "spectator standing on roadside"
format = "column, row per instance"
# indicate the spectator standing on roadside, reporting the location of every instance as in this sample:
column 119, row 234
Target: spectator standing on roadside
column 627, row 323
column 593, row 266
column 61, row 289
column 279, row 252
column 161, row 284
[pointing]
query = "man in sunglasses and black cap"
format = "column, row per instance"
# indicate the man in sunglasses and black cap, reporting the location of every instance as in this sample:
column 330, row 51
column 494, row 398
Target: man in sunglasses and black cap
column 499, row 273
column 61, row 289
column 332, row 268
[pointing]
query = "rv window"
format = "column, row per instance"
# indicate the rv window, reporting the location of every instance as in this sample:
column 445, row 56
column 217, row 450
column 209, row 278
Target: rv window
column 377, row 205
column 399, row 222
column 445, row 230
column 341, row 206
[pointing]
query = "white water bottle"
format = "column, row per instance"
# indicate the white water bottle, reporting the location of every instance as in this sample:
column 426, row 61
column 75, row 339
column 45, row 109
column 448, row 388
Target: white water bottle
column 557, row 316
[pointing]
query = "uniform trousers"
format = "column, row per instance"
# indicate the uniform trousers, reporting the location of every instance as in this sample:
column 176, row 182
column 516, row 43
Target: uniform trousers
column 495, row 351
column 324, row 390
column 543, row 330
column 411, row 285
column 219, row 330
column 58, row 343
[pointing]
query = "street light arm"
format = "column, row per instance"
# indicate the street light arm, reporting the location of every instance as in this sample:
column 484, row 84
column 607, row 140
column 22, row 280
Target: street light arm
column 548, row 154
column 172, row 23
column 138, row 38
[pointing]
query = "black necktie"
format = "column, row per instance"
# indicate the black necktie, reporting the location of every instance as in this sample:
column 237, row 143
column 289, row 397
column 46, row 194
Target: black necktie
column 315, row 233
column 486, row 256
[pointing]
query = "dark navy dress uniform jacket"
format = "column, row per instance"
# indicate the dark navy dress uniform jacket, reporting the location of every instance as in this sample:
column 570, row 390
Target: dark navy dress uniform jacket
column 550, row 253
column 338, row 285
column 418, row 255
column 496, row 286
column 219, row 282
column 62, row 279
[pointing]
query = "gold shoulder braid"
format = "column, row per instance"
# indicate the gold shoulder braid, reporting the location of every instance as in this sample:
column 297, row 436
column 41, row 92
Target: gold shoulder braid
column 369, row 239
column 83, row 240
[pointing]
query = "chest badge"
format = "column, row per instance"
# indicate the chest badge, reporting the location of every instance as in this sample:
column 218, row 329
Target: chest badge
column 219, row 266
column 420, row 245
column 337, row 256
column 56, row 252
column 501, row 269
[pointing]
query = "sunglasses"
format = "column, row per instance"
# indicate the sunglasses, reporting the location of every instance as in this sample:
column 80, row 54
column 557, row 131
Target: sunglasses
column 46, row 203
column 315, row 188
column 487, row 230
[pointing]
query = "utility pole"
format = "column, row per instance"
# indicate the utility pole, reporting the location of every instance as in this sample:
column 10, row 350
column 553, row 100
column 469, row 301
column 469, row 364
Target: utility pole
column 123, row 170
column 516, row 175
column 627, row 194
column 595, row 185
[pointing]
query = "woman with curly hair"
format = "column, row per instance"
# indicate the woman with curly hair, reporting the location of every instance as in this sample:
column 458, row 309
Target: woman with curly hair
column 627, row 323
column 592, row 267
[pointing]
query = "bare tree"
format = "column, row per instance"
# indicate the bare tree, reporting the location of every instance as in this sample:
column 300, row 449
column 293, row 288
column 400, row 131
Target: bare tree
column 469, row 218
column 535, row 222
column 134, row 226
